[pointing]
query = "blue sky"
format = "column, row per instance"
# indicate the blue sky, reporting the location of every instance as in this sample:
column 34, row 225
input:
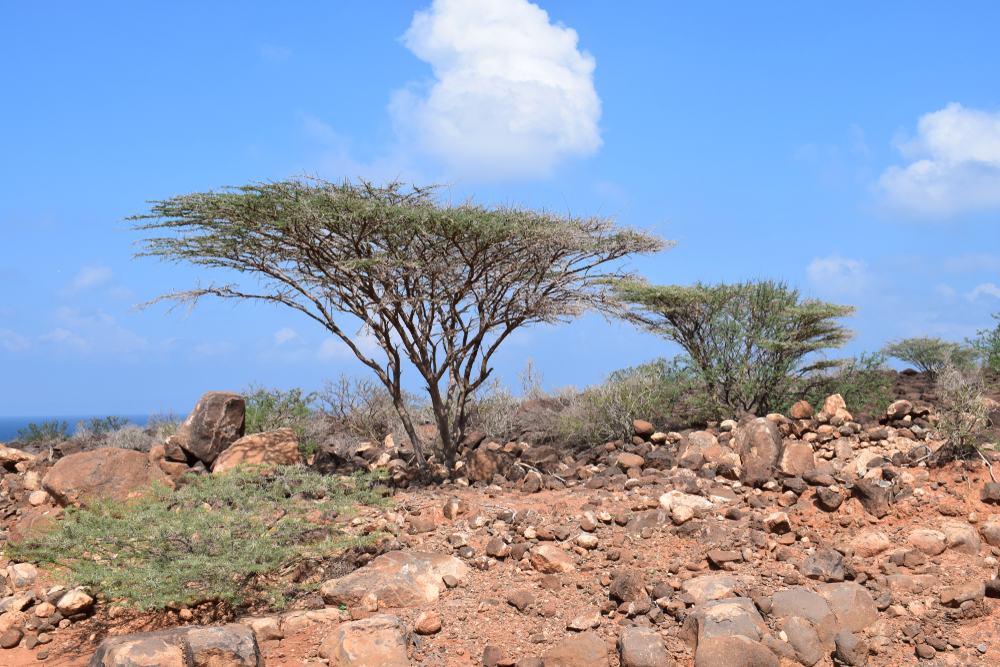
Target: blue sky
column 850, row 148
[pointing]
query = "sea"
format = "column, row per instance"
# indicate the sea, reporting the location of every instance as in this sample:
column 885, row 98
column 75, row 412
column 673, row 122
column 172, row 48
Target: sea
column 9, row 426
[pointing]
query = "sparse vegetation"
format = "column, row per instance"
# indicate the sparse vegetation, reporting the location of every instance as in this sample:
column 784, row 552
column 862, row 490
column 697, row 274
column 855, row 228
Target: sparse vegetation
column 46, row 430
column 862, row 381
column 930, row 354
column 964, row 414
column 271, row 409
column 219, row 536
column 987, row 345
column 749, row 342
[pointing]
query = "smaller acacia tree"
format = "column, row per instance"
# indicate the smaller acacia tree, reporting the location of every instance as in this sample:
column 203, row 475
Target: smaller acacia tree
column 929, row 354
column 439, row 284
column 747, row 340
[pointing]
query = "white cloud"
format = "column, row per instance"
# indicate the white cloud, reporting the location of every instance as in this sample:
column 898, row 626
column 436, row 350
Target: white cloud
column 513, row 95
column 13, row 342
column 334, row 348
column 89, row 277
column 985, row 288
column 955, row 168
column 67, row 339
column 284, row 335
column 92, row 334
column 838, row 275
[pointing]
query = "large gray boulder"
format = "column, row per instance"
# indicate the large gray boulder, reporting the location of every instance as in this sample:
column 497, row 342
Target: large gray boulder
column 641, row 647
column 809, row 606
column 190, row 646
column 723, row 618
column 215, row 423
column 851, row 604
column 759, row 446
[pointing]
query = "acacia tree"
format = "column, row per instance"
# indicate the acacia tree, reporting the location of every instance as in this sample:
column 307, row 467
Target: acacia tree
column 433, row 282
column 747, row 340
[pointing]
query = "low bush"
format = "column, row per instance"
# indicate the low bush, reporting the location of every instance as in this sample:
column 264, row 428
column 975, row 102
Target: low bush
column 219, row 536
column 46, row 430
column 271, row 409
column 929, row 354
column 963, row 415
column 494, row 409
column 987, row 345
column 864, row 382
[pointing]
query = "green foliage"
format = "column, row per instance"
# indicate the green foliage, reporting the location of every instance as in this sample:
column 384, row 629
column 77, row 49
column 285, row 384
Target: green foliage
column 862, row 381
column 963, row 415
column 47, row 430
column 101, row 426
column 748, row 340
column 271, row 409
column 930, row 354
column 655, row 391
column 987, row 345
column 219, row 536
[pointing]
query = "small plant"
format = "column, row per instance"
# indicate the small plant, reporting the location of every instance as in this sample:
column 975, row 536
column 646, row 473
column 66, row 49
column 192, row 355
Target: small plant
column 929, row 354
column 47, row 430
column 164, row 424
column 494, row 409
column 219, row 536
column 360, row 406
column 102, row 426
column 531, row 382
column 271, row 409
column 964, row 414
column 987, row 345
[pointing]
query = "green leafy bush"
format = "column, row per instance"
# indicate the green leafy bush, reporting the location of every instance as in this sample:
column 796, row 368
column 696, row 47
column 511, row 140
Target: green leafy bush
column 219, row 536
column 47, row 430
column 863, row 381
column 749, row 341
column 987, row 345
column 930, row 354
column 271, row 409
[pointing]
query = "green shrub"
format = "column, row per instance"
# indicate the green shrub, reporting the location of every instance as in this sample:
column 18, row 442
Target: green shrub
column 102, row 426
column 862, row 381
column 749, row 341
column 271, row 409
column 47, row 430
column 219, row 536
column 929, row 354
column 987, row 345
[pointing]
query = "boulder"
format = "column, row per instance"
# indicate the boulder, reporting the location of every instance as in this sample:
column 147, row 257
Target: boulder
column 759, row 440
column 829, row 499
column 796, row 457
column 851, row 604
column 735, row 651
column 722, row 618
column 215, row 423
column 868, row 545
column 549, row 559
column 874, row 497
column 990, row 531
column 898, row 409
column 962, row 538
column 10, row 456
column 641, row 647
column 372, row 642
column 809, row 606
column 231, row 645
column 930, row 542
column 643, row 429
column 629, row 585
column 585, row 649
column 395, row 579
column 673, row 499
column 801, row 410
column 280, row 447
column 803, row 639
column 74, row 602
column 851, row 649
column 711, row 587
column 118, row 473
column 482, row 464
column 823, row 565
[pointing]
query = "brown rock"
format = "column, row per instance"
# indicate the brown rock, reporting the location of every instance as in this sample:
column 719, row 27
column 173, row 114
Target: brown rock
column 483, row 463
column 421, row 524
column 796, row 457
column 641, row 647
column 215, row 423
column 643, row 429
column 629, row 585
column 118, row 473
column 549, row 559
column 74, row 602
column 801, row 410
column 395, row 579
column 735, row 651
column 10, row 456
column 497, row 548
column 760, row 439
column 11, row 638
column 372, row 642
column 626, row 461
column 520, row 599
column 580, row 650
column 280, row 447
column 428, row 623
column 851, row 649
column 224, row 646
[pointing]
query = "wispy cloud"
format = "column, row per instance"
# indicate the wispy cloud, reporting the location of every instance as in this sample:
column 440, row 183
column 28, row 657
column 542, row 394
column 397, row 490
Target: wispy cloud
column 955, row 167
column 986, row 288
column 91, row 333
column 838, row 275
column 89, row 277
column 284, row 335
column 214, row 349
column 513, row 96
column 12, row 341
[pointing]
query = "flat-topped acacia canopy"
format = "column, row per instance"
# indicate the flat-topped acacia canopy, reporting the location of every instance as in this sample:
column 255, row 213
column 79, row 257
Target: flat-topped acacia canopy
column 436, row 282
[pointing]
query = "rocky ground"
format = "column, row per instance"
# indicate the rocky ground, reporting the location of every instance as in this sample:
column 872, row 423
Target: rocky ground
column 812, row 539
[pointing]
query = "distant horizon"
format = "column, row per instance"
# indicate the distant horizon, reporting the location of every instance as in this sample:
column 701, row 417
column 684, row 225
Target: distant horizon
column 9, row 426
